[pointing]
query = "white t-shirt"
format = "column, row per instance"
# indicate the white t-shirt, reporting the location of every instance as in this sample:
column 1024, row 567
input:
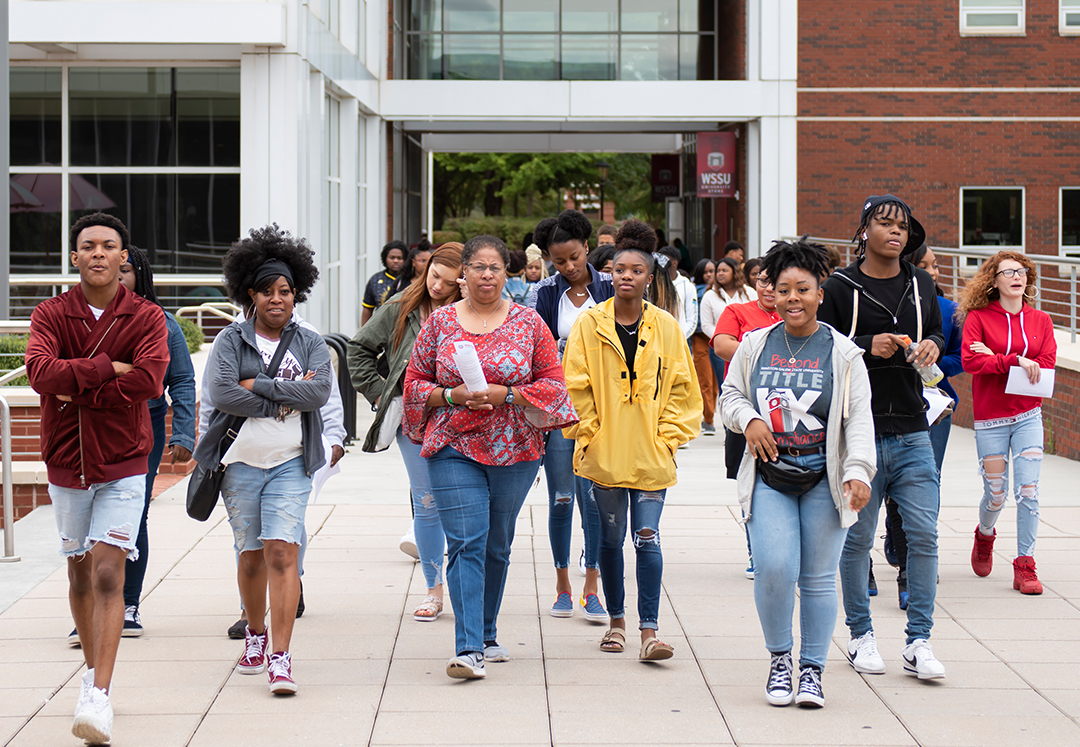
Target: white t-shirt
column 268, row 442
column 96, row 311
column 568, row 313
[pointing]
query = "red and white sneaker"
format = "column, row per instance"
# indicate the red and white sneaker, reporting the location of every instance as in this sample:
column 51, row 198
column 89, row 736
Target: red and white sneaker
column 254, row 658
column 279, row 671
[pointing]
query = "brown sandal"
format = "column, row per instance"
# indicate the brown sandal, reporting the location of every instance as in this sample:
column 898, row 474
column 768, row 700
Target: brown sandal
column 653, row 649
column 614, row 641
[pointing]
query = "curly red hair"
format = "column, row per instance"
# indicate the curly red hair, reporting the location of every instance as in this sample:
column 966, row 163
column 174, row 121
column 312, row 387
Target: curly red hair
column 981, row 290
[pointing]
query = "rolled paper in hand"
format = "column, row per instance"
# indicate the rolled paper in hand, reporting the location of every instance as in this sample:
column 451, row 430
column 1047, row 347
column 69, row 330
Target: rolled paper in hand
column 468, row 363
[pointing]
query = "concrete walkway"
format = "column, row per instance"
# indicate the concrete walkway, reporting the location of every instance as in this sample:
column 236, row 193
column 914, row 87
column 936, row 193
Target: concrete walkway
column 370, row 675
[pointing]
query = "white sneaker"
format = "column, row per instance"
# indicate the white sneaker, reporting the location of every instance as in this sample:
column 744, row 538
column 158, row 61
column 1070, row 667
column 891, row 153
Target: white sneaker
column 863, row 654
column 408, row 544
column 466, row 667
column 93, row 720
column 919, row 661
column 582, row 568
column 85, row 687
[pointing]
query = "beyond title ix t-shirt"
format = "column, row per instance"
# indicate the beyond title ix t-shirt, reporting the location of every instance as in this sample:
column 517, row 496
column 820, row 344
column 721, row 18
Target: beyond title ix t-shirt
column 268, row 442
column 794, row 398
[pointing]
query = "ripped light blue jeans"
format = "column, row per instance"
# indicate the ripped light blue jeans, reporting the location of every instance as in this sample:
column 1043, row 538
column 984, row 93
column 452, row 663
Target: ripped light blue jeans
column 430, row 540
column 1024, row 440
column 563, row 486
column 265, row 504
column 645, row 507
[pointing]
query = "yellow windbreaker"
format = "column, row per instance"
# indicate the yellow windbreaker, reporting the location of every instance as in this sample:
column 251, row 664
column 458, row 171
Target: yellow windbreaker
column 627, row 432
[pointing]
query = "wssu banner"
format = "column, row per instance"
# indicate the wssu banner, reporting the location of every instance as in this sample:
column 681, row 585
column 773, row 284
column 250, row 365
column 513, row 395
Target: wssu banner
column 716, row 164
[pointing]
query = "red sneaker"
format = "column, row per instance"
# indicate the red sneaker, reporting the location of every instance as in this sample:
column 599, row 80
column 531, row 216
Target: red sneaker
column 982, row 554
column 254, row 658
column 1024, row 577
column 279, row 671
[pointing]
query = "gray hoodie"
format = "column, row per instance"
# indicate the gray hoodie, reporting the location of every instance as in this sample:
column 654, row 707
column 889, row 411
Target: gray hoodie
column 850, row 449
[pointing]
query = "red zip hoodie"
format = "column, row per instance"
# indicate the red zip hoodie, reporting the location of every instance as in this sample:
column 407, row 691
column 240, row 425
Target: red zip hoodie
column 1029, row 334
column 103, row 434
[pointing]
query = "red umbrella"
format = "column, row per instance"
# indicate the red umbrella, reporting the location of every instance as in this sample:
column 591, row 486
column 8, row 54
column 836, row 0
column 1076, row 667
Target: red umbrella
column 46, row 189
column 22, row 200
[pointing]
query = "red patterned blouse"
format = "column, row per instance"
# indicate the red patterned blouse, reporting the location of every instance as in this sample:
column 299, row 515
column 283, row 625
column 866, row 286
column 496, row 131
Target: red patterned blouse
column 521, row 353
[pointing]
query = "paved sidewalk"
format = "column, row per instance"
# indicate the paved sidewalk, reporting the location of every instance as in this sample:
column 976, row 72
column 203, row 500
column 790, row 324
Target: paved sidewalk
column 370, row 675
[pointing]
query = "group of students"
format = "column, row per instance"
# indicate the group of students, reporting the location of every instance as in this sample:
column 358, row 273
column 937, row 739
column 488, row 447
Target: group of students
column 594, row 378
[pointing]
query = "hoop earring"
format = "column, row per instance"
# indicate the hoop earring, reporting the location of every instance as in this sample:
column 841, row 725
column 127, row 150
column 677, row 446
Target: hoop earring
column 1034, row 295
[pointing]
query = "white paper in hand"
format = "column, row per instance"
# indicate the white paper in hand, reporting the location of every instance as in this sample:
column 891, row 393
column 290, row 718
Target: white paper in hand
column 1019, row 383
column 468, row 363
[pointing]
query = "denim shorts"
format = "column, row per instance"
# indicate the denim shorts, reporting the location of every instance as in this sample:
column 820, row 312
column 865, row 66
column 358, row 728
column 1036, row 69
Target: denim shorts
column 108, row 512
column 266, row 504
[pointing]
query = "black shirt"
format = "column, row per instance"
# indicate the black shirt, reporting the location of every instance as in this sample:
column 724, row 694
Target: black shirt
column 628, row 338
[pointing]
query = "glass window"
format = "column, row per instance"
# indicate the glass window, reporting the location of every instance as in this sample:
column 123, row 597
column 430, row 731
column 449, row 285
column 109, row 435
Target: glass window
column 1070, row 17
column 589, row 57
column 1070, row 220
column 471, row 56
column 121, row 116
column 650, row 57
column 993, row 217
column 992, row 16
column 531, row 57
column 695, row 15
column 37, row 227
column 35, row 116
column 426, row 15
column 697, row 57
column 650, row 15
column 596, row 15
column 530, row 15
column 425, row 56
column 208, row 116
column 471, row 15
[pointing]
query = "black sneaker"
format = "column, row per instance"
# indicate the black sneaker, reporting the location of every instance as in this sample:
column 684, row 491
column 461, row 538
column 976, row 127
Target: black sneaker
column 73, row 639
column 871, row 583
column 810, row 694
column 901, row 589
column 778, row 688
column 132, row 624
column 238, row 629
column 300, row 604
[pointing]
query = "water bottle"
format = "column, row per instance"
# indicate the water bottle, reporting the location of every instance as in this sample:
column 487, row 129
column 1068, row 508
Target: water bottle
column 931, row 374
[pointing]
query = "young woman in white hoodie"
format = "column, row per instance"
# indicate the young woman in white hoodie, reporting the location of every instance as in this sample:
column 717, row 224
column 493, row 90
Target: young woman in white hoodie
column 799, row 392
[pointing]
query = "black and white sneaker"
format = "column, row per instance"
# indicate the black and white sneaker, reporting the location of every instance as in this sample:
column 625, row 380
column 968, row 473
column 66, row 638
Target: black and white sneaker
column 467, row 666
column 132, row 623
column 73, row 638
column 778, row 689
column 810, row 694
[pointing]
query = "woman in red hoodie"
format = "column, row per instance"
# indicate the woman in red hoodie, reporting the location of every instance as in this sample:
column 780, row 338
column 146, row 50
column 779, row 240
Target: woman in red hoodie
column 1002, row 332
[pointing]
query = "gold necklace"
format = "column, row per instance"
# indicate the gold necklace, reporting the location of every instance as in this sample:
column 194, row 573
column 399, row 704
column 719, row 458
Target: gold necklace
column 791, row 360
column 499, row 306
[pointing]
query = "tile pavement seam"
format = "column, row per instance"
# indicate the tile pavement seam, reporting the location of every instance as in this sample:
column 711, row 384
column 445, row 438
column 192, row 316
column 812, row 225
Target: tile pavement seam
column 543, row 650
column 44, row 703
column 210, row 706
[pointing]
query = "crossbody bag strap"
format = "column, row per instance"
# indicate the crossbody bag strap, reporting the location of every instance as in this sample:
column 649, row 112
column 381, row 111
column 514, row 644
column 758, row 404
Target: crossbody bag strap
column 918, row 309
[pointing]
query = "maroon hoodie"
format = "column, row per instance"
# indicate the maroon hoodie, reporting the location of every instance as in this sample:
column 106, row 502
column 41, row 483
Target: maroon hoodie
column 103, row 434
column 1029, row 334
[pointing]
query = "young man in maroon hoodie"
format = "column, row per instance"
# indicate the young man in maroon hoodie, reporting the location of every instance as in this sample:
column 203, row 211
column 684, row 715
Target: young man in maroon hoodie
column 96, row 355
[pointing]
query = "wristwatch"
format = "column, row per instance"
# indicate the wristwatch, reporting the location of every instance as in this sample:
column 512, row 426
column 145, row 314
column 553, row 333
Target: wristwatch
column 509, row 396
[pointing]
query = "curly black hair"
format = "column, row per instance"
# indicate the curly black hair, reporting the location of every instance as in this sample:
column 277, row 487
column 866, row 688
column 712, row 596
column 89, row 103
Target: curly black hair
column 395, row 244
column 571, row 225
column 636, row 236
column 242, row 261
column 99, row 219
column 887, row 209
column 803, row 254
column 144, row 275
column 476, row 243
column 602, row 254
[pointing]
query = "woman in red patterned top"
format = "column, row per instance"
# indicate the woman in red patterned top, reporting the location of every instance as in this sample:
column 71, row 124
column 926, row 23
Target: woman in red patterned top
column 484, row 447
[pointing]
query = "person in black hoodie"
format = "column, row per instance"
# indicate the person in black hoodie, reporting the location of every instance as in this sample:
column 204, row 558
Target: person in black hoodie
column 880, row 301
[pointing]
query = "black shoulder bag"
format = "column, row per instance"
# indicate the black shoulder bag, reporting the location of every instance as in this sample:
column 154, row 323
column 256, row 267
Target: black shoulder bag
column 204, row 485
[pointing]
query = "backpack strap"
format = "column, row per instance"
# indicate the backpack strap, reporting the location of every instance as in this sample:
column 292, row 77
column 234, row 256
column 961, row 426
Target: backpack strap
column 854, row 313
column 918, row 309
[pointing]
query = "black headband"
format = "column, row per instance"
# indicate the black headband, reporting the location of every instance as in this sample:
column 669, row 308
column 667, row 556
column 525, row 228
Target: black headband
column 273, row 268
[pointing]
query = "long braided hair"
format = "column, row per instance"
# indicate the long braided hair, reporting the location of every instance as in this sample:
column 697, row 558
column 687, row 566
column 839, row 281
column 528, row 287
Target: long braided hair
column 144, row 275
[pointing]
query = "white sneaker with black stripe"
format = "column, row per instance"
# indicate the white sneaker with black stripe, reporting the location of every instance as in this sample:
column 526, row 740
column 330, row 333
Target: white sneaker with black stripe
column 468, row 666
column 919, row 661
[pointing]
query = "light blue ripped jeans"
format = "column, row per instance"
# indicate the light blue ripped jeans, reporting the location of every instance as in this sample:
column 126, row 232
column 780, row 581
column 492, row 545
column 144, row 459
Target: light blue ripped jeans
column 430, row 539
column 265, row 504
column 1024, row 440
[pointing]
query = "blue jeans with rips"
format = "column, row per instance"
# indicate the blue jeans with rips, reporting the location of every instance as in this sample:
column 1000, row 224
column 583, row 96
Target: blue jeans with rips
column 430, row 540
column 478, row 506
column 907, row 474
column 798, row 541
column 1025, row 442
column 645, row 507
column 563, row 487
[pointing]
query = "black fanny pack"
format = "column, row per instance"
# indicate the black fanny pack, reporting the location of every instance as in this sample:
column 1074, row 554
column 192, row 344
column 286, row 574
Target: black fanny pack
column 787, row 477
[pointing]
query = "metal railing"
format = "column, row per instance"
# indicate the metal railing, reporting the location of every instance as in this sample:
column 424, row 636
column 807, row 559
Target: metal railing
column 1056, row 281
column 9, row 488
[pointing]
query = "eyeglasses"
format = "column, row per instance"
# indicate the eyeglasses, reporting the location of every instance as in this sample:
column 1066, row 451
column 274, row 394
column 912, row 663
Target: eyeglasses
column 763, row 281
column 479, row 269
column 1011, row 273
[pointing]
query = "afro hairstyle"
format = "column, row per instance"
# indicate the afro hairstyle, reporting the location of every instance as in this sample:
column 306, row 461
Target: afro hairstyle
column 242, row 262
column 571, row 225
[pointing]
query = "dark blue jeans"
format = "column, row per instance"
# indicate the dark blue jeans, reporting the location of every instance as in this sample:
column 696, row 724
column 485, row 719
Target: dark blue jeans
column 478, row 506
column 645, row 507
column 135, row 570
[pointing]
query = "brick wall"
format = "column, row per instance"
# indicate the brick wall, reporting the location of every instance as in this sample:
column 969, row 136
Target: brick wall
column 731, row 40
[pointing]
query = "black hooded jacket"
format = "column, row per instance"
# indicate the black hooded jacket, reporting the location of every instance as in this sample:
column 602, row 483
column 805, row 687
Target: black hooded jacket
column 897, row 400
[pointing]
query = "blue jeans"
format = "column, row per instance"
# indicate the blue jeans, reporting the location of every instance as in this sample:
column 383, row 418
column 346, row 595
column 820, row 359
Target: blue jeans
column 906, row 473
column 135, row 570
column 563, row 485
column 645, row 509
column 104, row 512
column 717, row 364
column 1025, row 441
column 939, row 439
column 478, row 506
column 265, row 504
column 798, row 541
column 430, row 540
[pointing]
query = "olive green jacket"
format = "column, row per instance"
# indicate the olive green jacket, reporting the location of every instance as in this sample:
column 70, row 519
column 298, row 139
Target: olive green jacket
column 374, row 339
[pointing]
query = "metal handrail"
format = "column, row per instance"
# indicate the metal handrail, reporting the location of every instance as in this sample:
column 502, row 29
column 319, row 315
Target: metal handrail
column 12, row 375
column 226, row 311
column 9, row 489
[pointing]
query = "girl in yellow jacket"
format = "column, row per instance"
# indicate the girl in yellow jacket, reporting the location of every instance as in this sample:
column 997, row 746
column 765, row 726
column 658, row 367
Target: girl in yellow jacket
column 632, row 380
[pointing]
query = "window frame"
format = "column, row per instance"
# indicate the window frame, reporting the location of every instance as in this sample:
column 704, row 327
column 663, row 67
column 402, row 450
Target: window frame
column 1071, row 250
column 966, row 30
column 971, row 263
column 1063, row 10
